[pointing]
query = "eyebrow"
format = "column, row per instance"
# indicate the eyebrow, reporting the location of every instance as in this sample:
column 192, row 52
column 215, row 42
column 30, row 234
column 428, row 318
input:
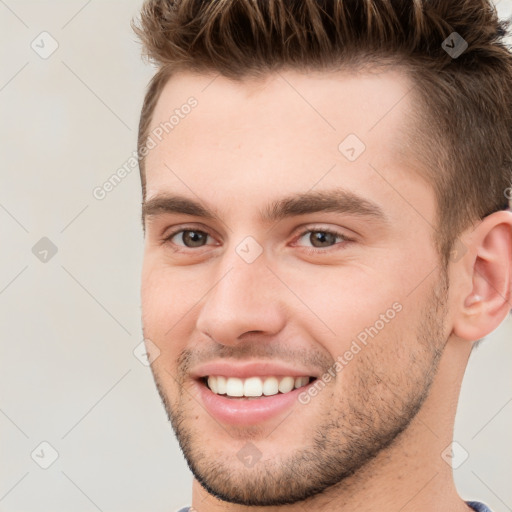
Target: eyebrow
column 336, row 201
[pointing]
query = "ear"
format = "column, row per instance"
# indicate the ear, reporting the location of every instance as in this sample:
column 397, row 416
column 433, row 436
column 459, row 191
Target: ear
column 486, row 274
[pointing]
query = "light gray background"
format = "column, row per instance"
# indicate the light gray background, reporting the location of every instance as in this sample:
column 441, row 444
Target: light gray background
column 68, row 375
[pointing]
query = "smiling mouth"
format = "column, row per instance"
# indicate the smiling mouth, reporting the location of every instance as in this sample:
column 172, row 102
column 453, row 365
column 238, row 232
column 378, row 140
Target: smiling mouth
column 254, row 387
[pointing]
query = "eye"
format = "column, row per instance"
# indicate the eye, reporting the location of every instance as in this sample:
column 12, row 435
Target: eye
column 323, row 239
column 319, row 239
column 189, row 238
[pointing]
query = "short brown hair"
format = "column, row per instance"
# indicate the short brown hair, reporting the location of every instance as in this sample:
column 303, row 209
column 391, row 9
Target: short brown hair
column 463, row 134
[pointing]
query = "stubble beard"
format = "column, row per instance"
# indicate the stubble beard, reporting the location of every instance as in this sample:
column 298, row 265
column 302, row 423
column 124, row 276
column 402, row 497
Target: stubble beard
column 348, row 436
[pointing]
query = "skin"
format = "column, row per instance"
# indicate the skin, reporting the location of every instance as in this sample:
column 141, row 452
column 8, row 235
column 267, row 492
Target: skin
column 372, row 439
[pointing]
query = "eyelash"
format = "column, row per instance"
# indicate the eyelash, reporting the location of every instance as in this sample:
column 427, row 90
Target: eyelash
column 309, row 250
column 318, row 250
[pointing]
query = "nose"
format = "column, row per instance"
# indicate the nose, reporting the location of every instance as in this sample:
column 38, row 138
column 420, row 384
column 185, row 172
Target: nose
column 244, row 298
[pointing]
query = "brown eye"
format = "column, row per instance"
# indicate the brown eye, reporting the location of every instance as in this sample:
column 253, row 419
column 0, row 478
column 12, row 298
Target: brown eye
column 189, row 238
column 322, row 238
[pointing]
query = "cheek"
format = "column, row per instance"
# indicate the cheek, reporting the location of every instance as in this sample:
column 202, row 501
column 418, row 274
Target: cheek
column 341, row 302
column 362, row 312
column 168, row 295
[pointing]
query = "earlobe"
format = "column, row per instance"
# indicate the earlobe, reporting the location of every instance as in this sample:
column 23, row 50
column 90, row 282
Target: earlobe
column 489, row 299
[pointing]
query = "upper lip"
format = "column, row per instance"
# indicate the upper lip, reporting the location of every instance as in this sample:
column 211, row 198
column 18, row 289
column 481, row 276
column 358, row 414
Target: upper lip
column 244, row 370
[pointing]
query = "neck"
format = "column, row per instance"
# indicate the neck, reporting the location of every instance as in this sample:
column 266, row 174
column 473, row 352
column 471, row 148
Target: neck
column 410, row 475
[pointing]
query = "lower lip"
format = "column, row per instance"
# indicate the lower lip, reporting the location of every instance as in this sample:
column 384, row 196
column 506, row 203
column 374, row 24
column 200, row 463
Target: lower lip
column 236, row 411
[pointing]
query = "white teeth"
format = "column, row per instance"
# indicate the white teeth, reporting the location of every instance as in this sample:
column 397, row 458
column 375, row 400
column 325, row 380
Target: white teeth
column 212, row 384
column 221, row 385
column 301, row 381
column 254, row 386
column 286, row 384
column 235, row 387
column 270, row 386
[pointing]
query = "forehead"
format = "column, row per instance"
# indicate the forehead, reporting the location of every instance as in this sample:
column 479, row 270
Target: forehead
column 286, row 131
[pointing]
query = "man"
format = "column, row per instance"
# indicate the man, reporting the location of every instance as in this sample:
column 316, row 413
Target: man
column 328, row 234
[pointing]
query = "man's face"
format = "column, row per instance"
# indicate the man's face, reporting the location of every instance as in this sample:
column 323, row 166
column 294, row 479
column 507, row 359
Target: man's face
column 277, row 290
